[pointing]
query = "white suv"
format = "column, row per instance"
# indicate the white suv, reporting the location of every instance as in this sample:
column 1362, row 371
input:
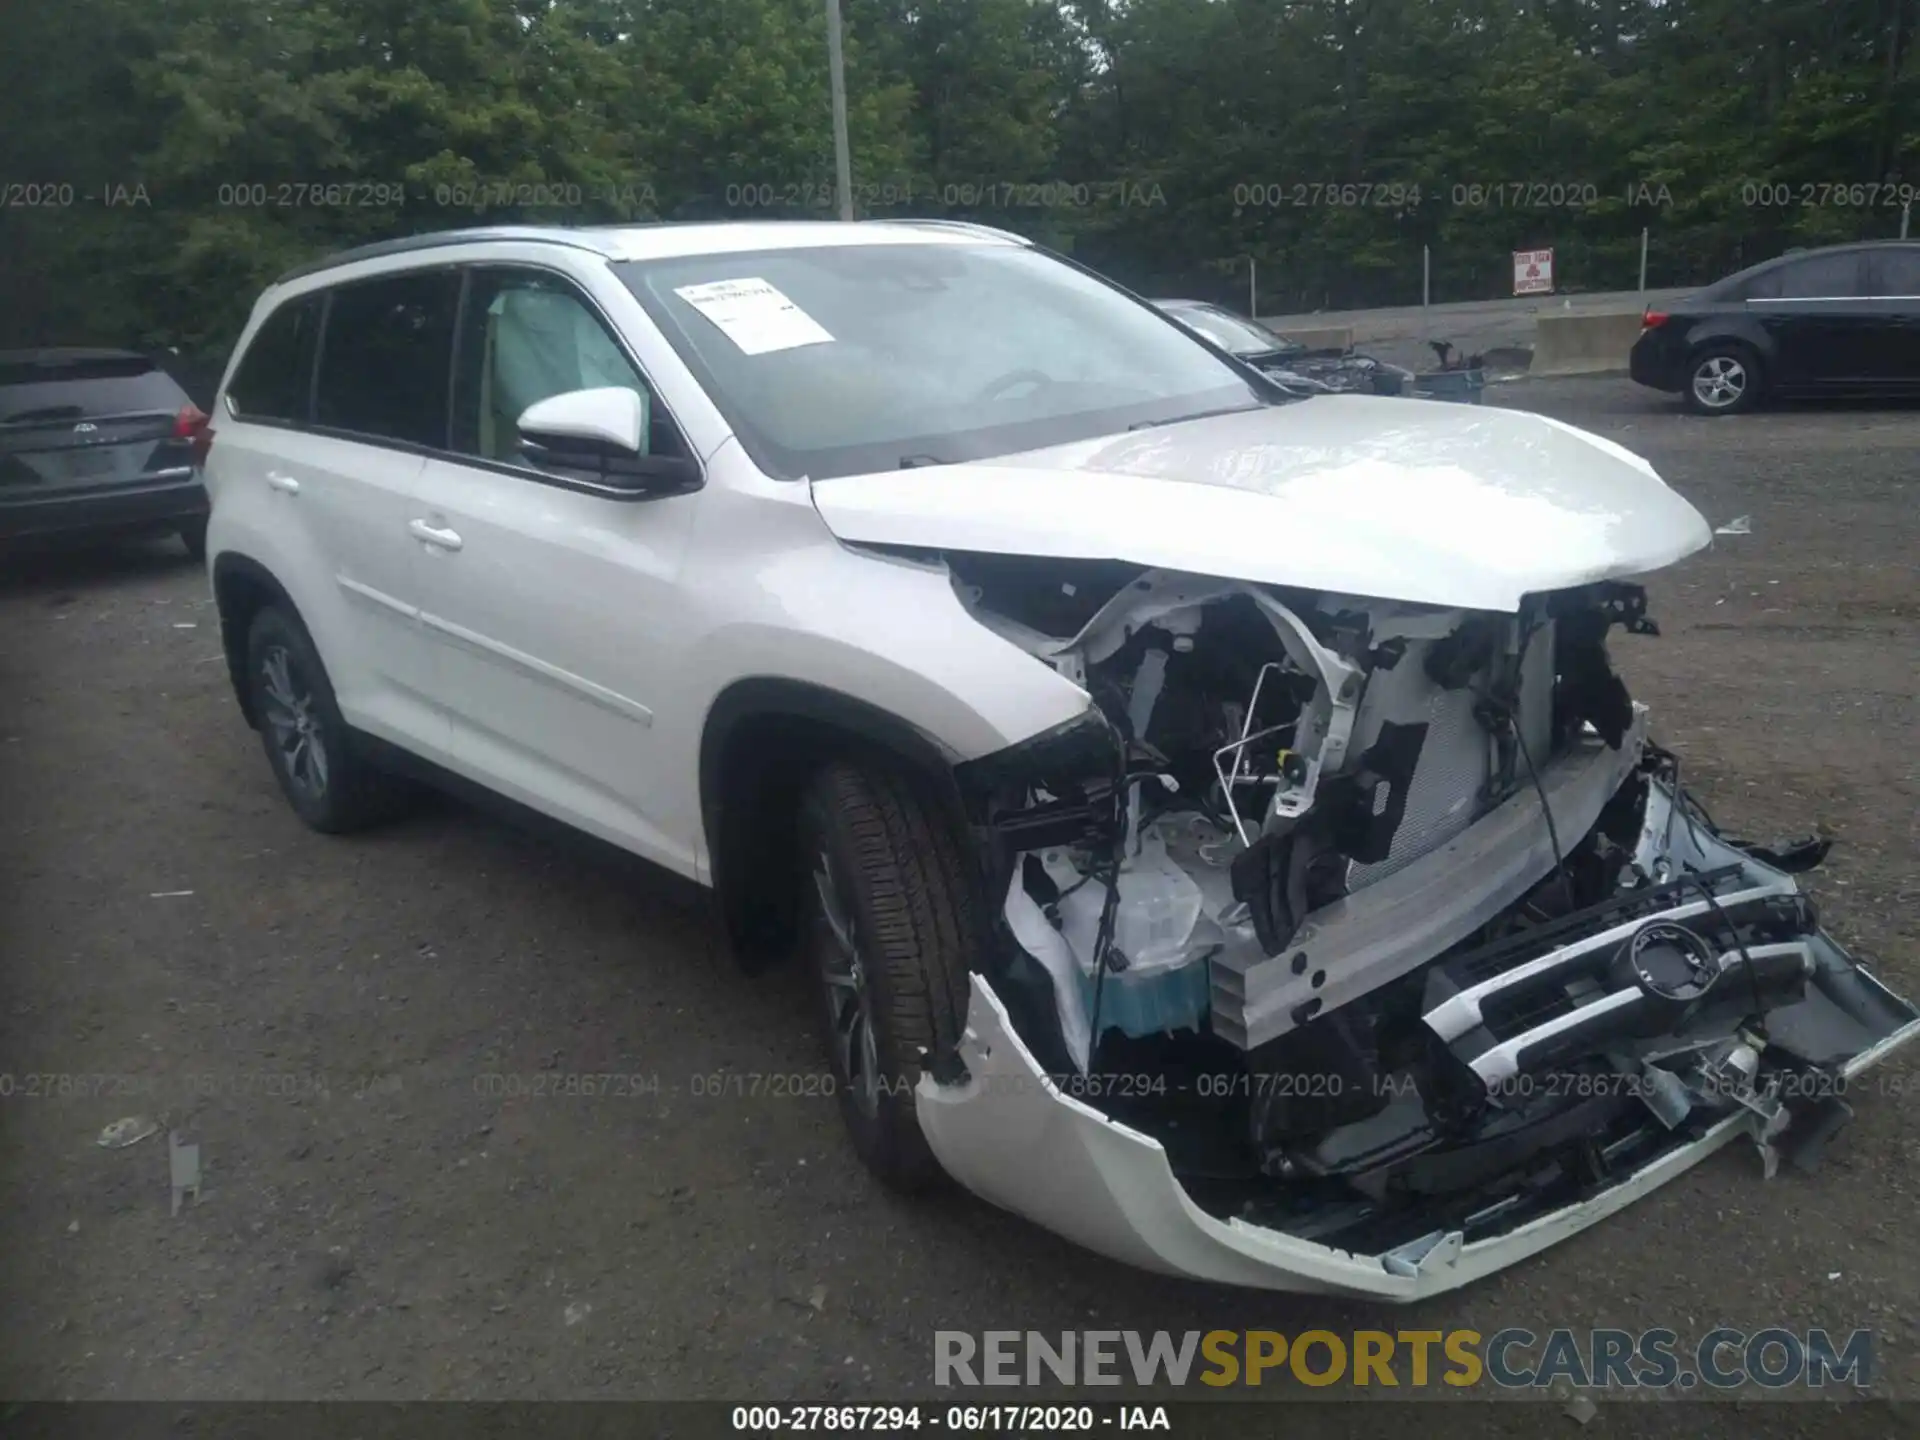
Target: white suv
column 1212, row 818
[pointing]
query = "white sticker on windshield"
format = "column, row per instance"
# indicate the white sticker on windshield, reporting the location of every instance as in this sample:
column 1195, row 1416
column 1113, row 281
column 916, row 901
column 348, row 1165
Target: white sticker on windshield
column 754, row 315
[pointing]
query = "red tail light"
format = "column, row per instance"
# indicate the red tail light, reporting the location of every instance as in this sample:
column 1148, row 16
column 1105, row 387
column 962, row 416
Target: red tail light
column 1652, row 320
column 195, row 425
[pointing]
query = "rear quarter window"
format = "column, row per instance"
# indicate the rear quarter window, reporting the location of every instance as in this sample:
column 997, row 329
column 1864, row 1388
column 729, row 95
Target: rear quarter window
column 1756, row 282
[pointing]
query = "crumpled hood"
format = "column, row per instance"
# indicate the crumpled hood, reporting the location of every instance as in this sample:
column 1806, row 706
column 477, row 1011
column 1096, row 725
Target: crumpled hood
column 1461, row 506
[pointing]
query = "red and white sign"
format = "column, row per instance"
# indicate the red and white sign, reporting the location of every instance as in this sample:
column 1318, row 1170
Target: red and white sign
column 1533, row 272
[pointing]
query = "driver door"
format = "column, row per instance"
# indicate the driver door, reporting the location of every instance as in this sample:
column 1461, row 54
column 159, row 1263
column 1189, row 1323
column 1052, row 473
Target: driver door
column 553, row 609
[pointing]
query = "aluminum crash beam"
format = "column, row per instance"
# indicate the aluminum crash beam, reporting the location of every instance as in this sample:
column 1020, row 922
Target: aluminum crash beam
column 1357, row 944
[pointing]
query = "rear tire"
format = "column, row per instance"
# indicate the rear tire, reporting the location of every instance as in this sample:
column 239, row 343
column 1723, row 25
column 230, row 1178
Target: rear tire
column 193, row 535
column 893, row 928
column 315, row 755
column 1723, row 378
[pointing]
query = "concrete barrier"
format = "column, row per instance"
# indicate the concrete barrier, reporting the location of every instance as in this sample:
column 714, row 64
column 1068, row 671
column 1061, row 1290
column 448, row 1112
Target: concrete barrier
column 1583, row 344
column 1319, row 337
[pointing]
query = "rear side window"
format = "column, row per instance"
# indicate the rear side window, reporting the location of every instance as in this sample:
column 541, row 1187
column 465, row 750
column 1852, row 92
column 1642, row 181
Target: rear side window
column 1822, row 277
column 1894, row 272
column 385, row 355
column 54, row 388
column 1756, row 283
column 273, row 378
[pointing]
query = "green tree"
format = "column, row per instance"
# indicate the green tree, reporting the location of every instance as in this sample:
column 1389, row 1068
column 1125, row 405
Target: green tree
column 210, row 143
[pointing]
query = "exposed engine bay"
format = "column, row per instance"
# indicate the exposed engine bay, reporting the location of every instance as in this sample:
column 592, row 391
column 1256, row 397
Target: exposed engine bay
column 1388, row 921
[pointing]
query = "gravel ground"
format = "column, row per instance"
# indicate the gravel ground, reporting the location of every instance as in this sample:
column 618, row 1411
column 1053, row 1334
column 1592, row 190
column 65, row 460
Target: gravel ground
column 329, row 1020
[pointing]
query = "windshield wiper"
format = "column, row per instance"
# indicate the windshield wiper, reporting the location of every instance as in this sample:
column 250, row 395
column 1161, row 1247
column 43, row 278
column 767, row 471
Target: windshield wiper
column 914, row 462
column 1197, row 415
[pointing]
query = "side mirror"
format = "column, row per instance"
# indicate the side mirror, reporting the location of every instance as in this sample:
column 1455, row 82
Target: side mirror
column 595, row 436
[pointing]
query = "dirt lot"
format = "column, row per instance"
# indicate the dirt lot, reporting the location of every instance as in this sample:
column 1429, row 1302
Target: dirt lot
column 331, row 1021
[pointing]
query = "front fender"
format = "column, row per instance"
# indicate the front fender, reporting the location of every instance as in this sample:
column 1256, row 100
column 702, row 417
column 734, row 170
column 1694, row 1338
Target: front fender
column 888, row 635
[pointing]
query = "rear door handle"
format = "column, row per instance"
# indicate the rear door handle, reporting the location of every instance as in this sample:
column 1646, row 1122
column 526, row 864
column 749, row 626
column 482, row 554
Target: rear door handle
column 285, row 483
column 444, row 539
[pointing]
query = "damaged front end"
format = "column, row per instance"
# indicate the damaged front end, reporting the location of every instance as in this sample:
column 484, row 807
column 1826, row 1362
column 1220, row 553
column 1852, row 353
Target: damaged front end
column 1359, row 946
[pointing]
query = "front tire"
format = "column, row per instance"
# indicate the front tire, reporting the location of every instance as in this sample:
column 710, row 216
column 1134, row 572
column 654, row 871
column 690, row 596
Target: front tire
column 1723, row 379
column 893, row 929
column 314, row 754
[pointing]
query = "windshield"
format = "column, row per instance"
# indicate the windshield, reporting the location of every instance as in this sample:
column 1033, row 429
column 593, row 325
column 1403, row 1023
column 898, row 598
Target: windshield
column 847, row 359
column 1231, row 333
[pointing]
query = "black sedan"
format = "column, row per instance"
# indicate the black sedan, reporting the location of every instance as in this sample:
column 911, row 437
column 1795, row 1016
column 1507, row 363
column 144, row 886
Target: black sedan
column 1843, row 320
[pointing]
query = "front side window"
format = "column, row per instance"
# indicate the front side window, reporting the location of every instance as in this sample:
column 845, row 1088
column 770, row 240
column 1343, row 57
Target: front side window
column 384, row 355
column 527, row 336
column 842, row 359
column 273, row 380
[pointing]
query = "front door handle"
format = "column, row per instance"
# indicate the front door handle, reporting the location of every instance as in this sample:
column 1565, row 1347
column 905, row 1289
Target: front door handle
column 284, row 483
column 444, row 539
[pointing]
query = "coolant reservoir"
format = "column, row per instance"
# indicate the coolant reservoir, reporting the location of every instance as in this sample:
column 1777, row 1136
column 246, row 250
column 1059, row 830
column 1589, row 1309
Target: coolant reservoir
column 1154, row 922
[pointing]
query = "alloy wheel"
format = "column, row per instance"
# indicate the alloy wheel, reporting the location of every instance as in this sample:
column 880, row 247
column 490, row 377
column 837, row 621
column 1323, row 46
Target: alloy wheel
column 1719, row 382
column 849, row 992
column 294, row 721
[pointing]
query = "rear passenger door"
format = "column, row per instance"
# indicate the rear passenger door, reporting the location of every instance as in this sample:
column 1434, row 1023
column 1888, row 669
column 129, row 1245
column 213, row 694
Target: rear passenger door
column 1893, row 276
column 552, row 606
column 379, row 406
column 1817, row 312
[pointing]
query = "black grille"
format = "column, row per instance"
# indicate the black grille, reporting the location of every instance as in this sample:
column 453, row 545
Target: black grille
column 1527, row 1010
column 1482, row 964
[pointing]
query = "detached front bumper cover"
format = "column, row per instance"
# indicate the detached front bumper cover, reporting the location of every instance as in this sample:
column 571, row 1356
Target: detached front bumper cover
column 1010, row 1134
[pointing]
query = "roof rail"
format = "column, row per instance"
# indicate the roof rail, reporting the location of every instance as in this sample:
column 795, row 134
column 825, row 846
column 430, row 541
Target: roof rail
column 435, row 239
column 964, row 227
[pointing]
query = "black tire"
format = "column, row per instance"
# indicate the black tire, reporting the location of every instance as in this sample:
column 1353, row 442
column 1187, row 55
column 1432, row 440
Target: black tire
column 1736, row 363
column 895, row 869
column 342, row 791
column 193, row 535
